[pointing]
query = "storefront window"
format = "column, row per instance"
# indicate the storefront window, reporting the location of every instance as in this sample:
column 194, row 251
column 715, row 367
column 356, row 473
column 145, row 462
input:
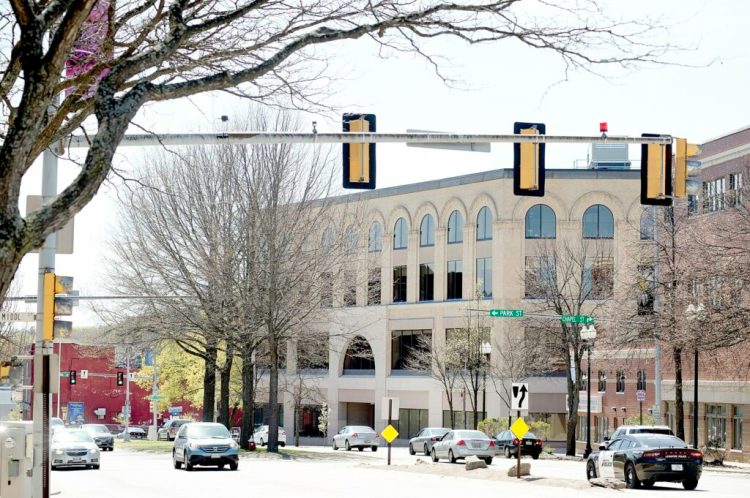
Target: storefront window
column 737, row 433
column 716, row 423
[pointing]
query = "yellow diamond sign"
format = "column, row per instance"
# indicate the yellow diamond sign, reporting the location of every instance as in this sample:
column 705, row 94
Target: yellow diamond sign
column 519, row 428
column 389, row 433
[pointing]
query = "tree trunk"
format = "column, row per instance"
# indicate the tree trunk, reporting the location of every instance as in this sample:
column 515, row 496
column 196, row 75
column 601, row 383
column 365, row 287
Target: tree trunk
column 679, row 410
column 273, row 393
column 248, row 397
column 209, row 383
column 226, row 375
column 570, row 445
column 453, row 415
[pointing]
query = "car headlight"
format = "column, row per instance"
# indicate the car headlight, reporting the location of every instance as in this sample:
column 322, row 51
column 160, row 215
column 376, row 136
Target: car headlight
column 234, row 445
column 193, row 446
column 94, row 451
column 58, row 452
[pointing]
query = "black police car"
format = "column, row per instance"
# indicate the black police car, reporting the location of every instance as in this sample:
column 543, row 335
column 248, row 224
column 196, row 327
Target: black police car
column 644, row 459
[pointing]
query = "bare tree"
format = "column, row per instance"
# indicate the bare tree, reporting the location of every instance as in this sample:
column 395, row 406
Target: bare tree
column 119, row 55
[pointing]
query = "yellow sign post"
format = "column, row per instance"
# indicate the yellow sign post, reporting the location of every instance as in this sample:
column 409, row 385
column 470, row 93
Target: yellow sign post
column 519, row 429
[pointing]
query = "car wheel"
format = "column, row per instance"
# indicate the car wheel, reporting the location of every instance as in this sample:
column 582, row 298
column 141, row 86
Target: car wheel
column 374, row 449
column 507, row 452
column 282, row 444
column 631, row 478
column 535, row 456
column 590, row 470
column 221, row 466
column 426, row 451
column 361, row 448
column 690, row 484
column 411, row 450
column 188, row 465
column 262, row 443
column 434, row 456
column 333, row 445
column 96, row 467
column 648, row 483
column 347, row 447
column 451, row 458
column 488, row 460
column 177, row 464
column 233, row 466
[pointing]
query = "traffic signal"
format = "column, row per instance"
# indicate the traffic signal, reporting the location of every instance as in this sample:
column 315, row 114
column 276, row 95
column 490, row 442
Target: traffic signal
column 685, row 169
column 359, row 158
column 54, row 305
column 656, row 173
column 120, row 378
column 72, row 377
column 528, row 161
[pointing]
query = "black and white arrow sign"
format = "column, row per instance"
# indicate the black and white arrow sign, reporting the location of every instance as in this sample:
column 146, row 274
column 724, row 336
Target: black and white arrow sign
column 520, row 396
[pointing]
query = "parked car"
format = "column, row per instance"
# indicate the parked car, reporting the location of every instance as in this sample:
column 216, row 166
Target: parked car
column 425, row 439
column 463, row 443
column 640, row 429
column 168, row 430
column 260, row 436
column 56, row 423
column 356, row 436
column 135, row 433
column 644, row 459
column 507, row 444
column 73, row 448
column 101, row 435
column 204, row 443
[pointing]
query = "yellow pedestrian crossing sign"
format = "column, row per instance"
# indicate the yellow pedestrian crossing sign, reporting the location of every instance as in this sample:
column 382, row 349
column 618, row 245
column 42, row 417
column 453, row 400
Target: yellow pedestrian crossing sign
column 389, row 433
column 519, row 428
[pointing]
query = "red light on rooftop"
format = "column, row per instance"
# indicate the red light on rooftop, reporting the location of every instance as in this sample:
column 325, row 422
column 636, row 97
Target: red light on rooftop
column 603, row 127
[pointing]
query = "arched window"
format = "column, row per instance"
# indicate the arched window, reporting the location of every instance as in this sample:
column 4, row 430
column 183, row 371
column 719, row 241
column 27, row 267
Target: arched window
column 484, row 224
column 350, row 239
column 540, row 222
column 598, row 223
column 327, row 239
column 427, row 231
column 399, row 234
column 455, row 228
column 647, row 225
column 359, row 357
column 375, row 240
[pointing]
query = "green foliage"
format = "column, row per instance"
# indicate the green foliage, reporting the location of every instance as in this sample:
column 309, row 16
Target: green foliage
column 540, row 429
column 180, row 376
column 636, row 420
column 491, row 426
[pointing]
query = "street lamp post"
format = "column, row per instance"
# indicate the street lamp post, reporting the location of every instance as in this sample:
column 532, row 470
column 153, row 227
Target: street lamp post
column 588, row 334
column 693, row 312
column 486, row 349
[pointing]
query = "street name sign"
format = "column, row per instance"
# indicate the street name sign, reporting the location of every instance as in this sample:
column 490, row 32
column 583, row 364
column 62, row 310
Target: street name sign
column 584, row 319
column 17, row 316
column 520, row 396
column 506, row 313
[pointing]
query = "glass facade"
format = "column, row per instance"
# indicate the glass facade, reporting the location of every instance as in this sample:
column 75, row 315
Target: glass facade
column 426, row 282
column 737, row 428
column 461, row 422
column 540, row 222
column 484, row 276
column 373, row 286
column 716, row 425
column 399, row 284
column 598, row 223
column 621, row 381
column 455, row 279
column 410, row 422
column 455, row 228
column 484, row 224
column 410, row 349
column 400, row 235
column 375, row 239
column 427, row 231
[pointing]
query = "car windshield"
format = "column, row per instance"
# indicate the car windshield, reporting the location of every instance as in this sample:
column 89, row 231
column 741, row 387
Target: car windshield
column 57, row 421
column 439, row 432
column 71, row 437
column 95, row 428
column 529, row 435
column 651, row 430
column 207, row 431
column 661, row 441
column 471, row 435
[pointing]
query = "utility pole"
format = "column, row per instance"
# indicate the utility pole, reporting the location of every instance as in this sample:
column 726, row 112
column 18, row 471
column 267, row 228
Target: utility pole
column 126, row 434
column 155, row 393
column 657, row 346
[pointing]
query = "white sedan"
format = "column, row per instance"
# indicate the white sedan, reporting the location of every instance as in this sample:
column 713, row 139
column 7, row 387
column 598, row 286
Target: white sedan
column 356, row 436
column 73, row 448
column 260, row 437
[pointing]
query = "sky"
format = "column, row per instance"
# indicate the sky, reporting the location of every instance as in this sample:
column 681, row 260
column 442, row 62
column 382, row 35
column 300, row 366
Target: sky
column 700, row 94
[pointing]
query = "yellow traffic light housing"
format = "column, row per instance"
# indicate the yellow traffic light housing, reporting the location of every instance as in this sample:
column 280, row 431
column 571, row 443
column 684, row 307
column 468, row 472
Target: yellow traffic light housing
column 528, row 161
column 359, row 158
column 656, row 173
column 54, row 305
column 685, row 169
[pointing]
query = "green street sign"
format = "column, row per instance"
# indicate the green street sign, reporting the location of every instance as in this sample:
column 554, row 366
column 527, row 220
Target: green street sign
column 154, row 397
column 577, row 319
column 506, row 313
column 64, row 374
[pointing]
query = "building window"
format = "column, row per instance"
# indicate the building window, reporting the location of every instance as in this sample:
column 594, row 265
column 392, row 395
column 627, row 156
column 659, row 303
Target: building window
column 350, row 289
column 458, row 417
column 598, row 278
column 716, row 424
column 641, row 380
column 582, row 428
column 737, row 426
column 373, row 286
column 484, row 224
column 400, row 237
column 410, row 348
column 455, row 279
column 602, row 427
column 620, row 381
column 410, row 422
column 312, row 352
column 645, row 290
column 734, row 196
column 598, row 223
column 375, row 240
column 540, row 222
column 359, row 357
column 426, row 282
column 692, row 205
column 327, row 239
column 427, row 231
column 602, row 381
column 350, row 241
column 541, row 276
column 326, row 289
column 399, row 284
column 455, row 228
column 647, row 225
column 713, row 195
column 484, row 276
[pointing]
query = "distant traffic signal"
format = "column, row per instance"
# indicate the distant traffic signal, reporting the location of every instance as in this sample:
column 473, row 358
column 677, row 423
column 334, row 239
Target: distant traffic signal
column 686, row 170
column 72, row 377
column 359, row 158
column 54, row 305
column 656, row 173
column 528, row 161
column 120, row 378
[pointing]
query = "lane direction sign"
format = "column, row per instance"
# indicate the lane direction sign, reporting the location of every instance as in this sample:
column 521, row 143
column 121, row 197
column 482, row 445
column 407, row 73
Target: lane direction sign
column 520, row 396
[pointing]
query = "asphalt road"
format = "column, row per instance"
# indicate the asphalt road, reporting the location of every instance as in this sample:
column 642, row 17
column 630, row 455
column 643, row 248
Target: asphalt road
column 325, row 474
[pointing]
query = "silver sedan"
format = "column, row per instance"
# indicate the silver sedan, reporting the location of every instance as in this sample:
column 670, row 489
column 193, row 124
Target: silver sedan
column 356, row 436
column 463, row 443
column 425, row 439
